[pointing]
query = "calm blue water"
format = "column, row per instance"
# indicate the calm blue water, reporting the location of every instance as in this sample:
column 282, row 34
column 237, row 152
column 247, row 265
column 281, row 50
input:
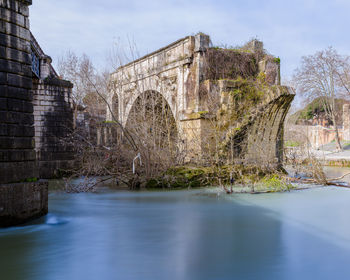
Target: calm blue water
column 183, row 235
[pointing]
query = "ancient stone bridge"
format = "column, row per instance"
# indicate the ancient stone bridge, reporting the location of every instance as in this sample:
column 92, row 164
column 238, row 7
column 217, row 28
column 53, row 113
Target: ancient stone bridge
column 201, row 85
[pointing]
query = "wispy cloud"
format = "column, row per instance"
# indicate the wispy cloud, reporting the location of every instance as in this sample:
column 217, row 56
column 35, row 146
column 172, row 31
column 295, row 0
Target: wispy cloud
column 289, row 29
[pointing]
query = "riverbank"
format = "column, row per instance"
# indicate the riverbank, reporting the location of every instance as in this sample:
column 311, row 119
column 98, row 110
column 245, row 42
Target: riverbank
column 228, row 179
column 268, row 183
column 333, row 158
column 329, row 156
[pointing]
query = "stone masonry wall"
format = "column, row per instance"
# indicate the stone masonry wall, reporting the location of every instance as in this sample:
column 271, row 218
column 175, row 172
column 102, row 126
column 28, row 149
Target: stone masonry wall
column 19, row 200
column 53, row 117
column 53, row 123
column 17, row 156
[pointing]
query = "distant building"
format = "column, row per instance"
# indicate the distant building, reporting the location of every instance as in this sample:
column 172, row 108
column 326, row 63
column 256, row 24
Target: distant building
column 319, row 131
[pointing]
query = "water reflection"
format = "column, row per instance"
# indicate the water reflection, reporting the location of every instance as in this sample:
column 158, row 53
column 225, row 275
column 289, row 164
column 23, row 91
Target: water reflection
column 182, row 235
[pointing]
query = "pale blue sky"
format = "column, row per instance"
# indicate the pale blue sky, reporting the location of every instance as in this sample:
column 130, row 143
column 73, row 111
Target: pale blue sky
column 289, row 29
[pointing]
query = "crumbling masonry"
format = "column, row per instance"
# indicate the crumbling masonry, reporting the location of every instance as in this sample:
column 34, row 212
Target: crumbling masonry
column 243, row 84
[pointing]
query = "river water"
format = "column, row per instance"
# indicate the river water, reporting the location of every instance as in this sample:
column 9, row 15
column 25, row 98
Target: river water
column 194, row 234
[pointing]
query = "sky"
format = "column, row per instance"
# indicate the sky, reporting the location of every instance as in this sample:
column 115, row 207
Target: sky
column 289, row 29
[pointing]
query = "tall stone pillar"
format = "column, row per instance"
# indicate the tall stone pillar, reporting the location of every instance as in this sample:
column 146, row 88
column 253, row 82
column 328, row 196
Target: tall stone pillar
column 21, row 197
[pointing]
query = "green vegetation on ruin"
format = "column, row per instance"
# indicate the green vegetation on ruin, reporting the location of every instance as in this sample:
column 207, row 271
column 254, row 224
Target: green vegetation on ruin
column 292, row 144
column 277, row 60
column 243, row 96
column 31, row 180
column 247, row 176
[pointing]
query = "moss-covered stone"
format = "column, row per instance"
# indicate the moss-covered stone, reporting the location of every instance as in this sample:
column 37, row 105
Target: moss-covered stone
column 194, row 176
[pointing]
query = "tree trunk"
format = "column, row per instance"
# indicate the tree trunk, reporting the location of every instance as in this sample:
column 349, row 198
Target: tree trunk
column 337, row 139
column 75, row 116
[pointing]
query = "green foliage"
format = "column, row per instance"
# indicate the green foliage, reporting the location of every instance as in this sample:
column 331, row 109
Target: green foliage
column 198, row 115
column 31, row 180
column 193, row 176
column 201, row 33
column 277, row 60
column 244, row 96
column 202, row 113
column 261, row 78
column 275, row 183
column 248, row 175
column 179, row 177
column 246, row 90
column 291, row 143
column 338, row 163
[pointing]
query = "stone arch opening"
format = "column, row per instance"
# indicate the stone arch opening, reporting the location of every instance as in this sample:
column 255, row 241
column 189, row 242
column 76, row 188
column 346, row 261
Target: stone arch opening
column 152, row 123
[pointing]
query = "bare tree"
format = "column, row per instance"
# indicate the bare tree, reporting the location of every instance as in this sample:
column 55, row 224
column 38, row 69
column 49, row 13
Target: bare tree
column 151, row 129
column 318, row 76
column 344, row 75
column 78, row 70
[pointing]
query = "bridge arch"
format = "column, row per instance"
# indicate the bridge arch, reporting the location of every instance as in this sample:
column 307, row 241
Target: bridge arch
column 152, row 85
column 151, row 118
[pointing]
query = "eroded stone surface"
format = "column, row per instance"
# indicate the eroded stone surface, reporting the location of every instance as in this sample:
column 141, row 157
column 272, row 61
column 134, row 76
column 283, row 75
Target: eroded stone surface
column 20, row 202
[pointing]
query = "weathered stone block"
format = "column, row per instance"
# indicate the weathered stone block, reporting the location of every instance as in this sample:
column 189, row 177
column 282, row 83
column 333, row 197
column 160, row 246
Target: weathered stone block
column 16, row 143
column 13, row 42
column 17, row 156
column 22, row 201
column 14, row 30
column 17, row 171
column 16, row 118
column 19, row 81
column 201, row 42
column 15, row 55
column 7, row 65
column 3, row 78
column 3, row 129
column 12, row 17
column 20, row 130
column 19, row 105
column 3, row 103
column 14, row 92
